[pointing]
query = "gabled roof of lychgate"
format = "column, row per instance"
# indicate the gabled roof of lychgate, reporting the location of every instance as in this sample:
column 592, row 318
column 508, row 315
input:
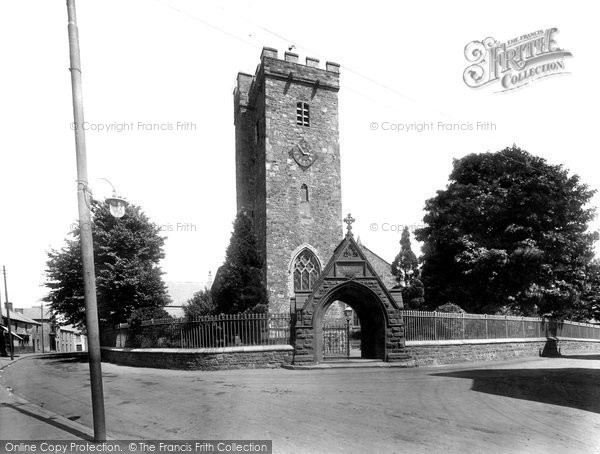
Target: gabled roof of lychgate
column 349, row 255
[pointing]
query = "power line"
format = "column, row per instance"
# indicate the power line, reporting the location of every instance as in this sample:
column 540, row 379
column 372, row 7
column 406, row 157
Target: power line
column 285, row 39
column 214, row 27
column 311, row 51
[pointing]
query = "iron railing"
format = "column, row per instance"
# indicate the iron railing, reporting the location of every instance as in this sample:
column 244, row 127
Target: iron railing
column 432, row 326
column 203, row 332
column 266, row 329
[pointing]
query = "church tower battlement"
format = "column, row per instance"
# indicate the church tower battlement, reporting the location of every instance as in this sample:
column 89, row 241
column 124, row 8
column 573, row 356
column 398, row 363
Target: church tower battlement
column 288, row 168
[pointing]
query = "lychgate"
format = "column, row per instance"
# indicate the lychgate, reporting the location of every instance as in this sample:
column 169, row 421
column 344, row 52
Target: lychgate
column 349, row 278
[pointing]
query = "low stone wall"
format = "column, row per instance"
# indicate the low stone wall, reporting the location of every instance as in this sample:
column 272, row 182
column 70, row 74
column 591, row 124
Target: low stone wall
column 433, row 353
column 422, row 353
column 257, row 357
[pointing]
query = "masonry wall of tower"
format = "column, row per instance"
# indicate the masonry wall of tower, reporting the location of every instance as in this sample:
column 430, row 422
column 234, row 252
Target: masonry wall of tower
column 245, row 150
column 269, row 177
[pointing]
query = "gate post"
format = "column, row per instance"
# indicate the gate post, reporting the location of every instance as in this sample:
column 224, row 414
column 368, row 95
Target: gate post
column 394, row 342
column 303, row 340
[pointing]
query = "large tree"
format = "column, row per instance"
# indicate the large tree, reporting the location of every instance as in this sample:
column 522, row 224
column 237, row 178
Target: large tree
column 509, row 232
column 239, row 284
column 129, row 283
column 406, row 269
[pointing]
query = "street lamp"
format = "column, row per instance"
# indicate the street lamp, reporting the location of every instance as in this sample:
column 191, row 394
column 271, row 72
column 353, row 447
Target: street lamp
column 348, row 315
column 87, row 249
column 116, row 204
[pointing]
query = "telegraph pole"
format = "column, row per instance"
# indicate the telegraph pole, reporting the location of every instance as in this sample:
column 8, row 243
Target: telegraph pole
column 85, row 231
column 11, row 344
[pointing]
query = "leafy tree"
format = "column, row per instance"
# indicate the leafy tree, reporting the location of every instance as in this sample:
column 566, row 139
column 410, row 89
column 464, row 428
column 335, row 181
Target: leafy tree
column 414, row 294
column 449, row 308
column 510, row 232
column 405, row 266
column 200, row 304
column 587, row 306
column 129, row 283
column 239, row 284
column 406, row 269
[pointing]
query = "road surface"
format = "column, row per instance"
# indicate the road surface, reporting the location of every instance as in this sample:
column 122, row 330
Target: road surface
column 524, row 406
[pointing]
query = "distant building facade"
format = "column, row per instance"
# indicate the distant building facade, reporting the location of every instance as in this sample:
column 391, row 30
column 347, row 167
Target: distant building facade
column 49, row 336
column 24, row 332
column 181, row 292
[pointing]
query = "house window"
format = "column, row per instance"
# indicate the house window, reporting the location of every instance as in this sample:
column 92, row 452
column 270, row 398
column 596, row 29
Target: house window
column 302, row 114
column 306, row 271
column 304, row 193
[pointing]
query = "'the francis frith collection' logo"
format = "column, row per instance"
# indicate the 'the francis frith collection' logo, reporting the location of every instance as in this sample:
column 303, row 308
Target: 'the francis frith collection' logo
column 514, row 63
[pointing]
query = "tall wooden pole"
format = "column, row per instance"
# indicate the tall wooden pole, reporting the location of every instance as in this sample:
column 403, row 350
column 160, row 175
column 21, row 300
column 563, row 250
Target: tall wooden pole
column 85, row 231
column 11, row 344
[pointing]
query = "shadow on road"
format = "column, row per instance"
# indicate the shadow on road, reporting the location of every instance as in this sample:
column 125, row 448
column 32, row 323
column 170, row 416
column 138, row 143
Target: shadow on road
column 49, row 421
column 575, row 388
column 596, row 357
column 65, row 357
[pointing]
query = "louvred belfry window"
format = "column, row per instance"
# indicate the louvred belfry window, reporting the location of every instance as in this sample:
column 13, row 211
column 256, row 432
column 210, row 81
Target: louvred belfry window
column 306, row 271
column 302, row 114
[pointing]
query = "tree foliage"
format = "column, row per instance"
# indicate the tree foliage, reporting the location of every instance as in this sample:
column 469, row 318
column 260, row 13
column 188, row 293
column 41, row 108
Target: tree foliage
column 199, row 305
column 449, row 308
column 509, row 232
column 240, row 284
column 405, row 265
column 413, row 295
column 129, row 283
column 587, row 307
column 406, row 269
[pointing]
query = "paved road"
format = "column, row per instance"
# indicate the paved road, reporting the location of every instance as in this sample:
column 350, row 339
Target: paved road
column 533, row 406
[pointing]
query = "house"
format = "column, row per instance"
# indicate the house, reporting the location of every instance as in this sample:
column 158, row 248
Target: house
column 26, row 332
column 56, row 338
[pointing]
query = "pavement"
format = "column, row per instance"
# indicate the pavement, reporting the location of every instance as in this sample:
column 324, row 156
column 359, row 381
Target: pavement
column 353, row 363
column 549, row 405
column 21, row 419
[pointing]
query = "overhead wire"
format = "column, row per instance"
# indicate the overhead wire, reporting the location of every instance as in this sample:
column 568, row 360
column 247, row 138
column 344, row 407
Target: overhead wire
column 300, row 46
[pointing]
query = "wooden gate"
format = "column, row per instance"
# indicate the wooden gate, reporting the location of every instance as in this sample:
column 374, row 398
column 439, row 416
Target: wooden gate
column 335, row 341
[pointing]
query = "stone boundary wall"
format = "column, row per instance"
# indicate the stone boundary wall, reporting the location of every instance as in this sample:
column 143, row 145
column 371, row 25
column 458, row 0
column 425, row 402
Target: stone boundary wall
column 434, row 353
column 257, row 357
column 423, row 353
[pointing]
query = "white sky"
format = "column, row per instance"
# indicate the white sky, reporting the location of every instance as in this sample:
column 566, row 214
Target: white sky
column 157, row 61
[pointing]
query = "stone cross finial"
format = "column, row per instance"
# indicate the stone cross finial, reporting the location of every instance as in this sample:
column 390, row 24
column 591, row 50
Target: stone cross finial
column 349, row 220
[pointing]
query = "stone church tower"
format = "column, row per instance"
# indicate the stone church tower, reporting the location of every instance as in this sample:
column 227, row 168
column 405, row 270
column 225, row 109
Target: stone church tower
column 288, row 168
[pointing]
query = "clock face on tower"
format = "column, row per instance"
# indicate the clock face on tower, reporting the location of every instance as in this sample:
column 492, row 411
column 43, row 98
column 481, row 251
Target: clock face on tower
column 303, row 155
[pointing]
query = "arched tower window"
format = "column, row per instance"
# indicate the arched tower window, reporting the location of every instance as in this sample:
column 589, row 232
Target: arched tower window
column 304, row 193
column 306, row 270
